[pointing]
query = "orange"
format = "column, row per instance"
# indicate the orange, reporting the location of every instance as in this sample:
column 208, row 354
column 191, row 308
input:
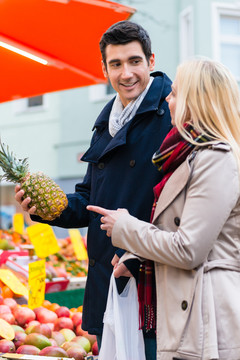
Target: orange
column 46, row 304
column 7, row 292
column 54, row 307
column 73, row 310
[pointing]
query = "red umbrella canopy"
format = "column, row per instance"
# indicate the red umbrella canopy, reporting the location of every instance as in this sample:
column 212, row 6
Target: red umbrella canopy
column 50, row 45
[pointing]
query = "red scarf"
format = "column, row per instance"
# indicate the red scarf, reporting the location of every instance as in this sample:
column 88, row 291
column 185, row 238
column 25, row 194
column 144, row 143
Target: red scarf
column 172, row 153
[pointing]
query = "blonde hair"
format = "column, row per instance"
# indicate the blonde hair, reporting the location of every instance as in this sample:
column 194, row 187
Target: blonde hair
column 208, row 98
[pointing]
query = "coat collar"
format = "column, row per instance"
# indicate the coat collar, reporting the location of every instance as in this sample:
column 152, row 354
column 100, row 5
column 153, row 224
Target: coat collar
column 150, row 102
column 156, row 94
column 179, row 179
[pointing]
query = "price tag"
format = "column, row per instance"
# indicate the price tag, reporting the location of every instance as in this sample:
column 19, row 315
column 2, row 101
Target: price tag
column 78, row 244
column 43, row 239
column 9, row 279
column 36, row 283
column 18, row 223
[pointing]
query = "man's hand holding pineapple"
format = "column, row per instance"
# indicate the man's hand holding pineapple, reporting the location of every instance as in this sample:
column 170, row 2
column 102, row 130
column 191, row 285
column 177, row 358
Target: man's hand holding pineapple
column 37, row 193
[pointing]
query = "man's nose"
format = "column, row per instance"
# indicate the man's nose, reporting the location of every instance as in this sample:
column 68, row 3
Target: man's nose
column 126, row 72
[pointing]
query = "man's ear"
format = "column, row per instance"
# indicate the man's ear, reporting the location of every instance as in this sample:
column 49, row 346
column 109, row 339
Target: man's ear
column 104, row 69
column 152, row 62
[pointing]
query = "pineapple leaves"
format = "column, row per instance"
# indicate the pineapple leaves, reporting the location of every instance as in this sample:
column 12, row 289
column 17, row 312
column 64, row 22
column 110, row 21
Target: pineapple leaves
column 14, row 169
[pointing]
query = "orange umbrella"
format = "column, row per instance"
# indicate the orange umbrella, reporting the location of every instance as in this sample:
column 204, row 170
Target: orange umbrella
column 50, row 45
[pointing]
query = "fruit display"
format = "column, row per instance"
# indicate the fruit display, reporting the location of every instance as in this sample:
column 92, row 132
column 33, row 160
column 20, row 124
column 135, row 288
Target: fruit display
column 63, row 264
column 49, row 330
column 45, row 194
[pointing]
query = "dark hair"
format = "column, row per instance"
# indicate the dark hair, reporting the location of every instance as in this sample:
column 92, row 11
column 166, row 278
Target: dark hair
column 123, row 32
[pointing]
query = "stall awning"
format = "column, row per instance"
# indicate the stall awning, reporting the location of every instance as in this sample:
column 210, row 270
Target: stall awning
column 51, row 45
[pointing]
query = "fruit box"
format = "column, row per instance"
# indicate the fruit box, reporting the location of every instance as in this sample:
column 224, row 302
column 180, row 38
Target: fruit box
column 77, row 283
column 56, row 284
column 12, row 356
column 19, row 265
column 5, row 254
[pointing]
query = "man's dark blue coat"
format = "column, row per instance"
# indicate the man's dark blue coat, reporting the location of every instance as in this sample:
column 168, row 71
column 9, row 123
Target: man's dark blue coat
column 120, row 175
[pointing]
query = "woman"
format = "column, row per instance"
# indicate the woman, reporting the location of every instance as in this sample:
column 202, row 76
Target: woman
column 194, row 237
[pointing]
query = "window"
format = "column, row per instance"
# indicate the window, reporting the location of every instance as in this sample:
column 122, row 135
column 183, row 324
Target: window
column 226, row 36
column 101, row 92
column 32, row 104
column 35, row 101
column 186, row 34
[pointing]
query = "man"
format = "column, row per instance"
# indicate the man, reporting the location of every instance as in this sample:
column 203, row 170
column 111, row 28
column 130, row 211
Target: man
column 120, row 174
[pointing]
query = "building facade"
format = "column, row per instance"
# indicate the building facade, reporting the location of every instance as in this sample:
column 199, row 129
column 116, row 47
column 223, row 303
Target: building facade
column 54, row 130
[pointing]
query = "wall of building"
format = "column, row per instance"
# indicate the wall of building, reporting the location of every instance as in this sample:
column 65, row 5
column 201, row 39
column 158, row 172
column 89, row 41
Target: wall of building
column 55, row 135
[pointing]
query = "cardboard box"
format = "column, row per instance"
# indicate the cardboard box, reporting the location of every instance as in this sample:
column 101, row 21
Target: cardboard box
column 77, row 283
column 56, row 284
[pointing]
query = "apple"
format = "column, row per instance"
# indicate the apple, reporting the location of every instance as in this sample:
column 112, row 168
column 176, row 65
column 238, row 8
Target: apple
column 37, row 309
column 63, row 311
column 79, row 331
column 95, row 348
column 54, row 351
column 10, row 302
column 4, row 309
column 77, row 319
column 63, row 323
column 19, row 338
column 90, row 337
column 28, row 350
column 83, row 341
column 9, row 317
column 33, row 323
column 7, row 346
column 23, row 315
column 17, row 328
column 58, row 337
column 67, row 344
column 53, row 342
column 29, row 329
column 43, row 329
column 46, row 316
column 78, row 353
column 68, row 334
column 51, row 325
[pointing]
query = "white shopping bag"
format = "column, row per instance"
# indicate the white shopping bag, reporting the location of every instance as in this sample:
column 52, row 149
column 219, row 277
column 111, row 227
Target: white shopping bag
column 122, row 339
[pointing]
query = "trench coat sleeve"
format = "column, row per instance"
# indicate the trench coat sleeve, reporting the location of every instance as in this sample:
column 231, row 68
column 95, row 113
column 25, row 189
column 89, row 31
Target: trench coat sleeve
column 211, row 195
column 75, row 215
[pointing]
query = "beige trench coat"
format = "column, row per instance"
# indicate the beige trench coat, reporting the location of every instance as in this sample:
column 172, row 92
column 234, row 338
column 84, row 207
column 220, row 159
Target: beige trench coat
column 195, row 243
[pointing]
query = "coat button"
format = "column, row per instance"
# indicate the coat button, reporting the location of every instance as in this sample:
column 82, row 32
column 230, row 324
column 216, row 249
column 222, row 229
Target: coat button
column 160, row 112
column 184, row 305
column 132, row 163
column 91, row 262
column 101, row 165
column 177, row 221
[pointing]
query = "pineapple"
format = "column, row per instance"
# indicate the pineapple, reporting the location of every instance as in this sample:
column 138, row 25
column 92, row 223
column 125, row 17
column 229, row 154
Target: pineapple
column 45, row 194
